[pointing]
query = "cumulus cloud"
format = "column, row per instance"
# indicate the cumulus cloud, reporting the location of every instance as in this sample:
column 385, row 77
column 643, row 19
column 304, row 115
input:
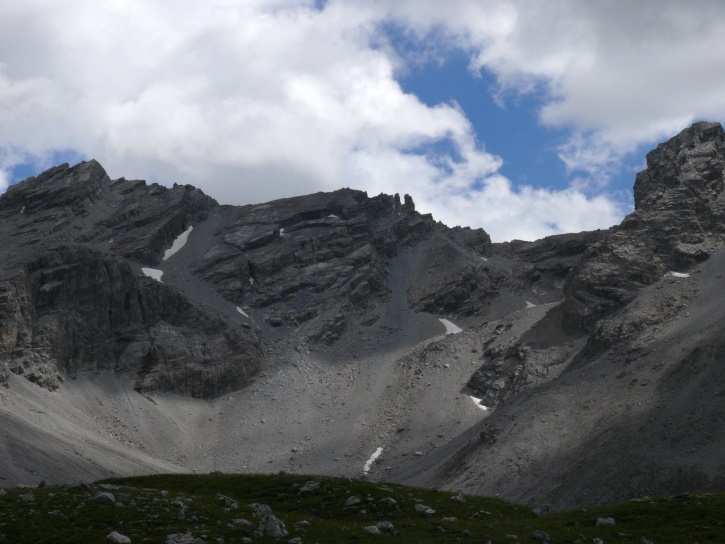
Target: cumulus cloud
column 263, row 99
column 618, row 74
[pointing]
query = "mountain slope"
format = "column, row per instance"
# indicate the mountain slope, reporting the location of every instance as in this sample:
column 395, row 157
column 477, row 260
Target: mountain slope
column 637, row 408
column 149, row 329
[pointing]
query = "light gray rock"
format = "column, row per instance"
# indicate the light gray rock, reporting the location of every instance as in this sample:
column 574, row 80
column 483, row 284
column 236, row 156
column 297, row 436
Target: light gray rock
column 106, row 498
column 117, row 538
column 310, row 486
column 271, row 525
column 371, row 530
column 386, row 527
column 605, row 522
column 352, row 501
column 231, row 503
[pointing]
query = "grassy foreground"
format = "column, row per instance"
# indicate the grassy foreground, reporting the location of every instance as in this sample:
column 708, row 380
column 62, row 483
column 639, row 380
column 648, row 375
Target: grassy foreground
column 149, row 509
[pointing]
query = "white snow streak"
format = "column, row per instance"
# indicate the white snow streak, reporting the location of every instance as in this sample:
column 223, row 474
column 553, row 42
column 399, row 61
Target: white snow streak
column 332, row 215
column 153, row 273
column 677, row 274
column 23, row 210
column 450, row 327
column 242, row 312
column 477, row 402
column 251, row 280
column 178, row 243
column 370, row 461
column 281, row 232
column 485, row 259
column 529, row 304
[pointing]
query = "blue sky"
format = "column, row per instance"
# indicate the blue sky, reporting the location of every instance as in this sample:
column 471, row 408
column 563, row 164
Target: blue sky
column 521, row 118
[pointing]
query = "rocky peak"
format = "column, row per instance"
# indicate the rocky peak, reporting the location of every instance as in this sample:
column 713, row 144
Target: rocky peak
column 679, row 220
column 693, row 159
column 74, row 188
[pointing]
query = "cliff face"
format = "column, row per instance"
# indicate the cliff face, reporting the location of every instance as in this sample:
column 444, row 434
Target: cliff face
column 617, row 392
column 72, row 298
column 679, row 220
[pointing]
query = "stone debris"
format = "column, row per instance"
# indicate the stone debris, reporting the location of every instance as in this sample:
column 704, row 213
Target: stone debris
column 118, row 538
column 231, row 503
column 604, row 522
column 426, row 510
column 541, row 536
column 352, row 501
column 105, row 498
column 386, row 527
column 312, row 485
column 389, row 501
column 269, row 524
column 183, row 538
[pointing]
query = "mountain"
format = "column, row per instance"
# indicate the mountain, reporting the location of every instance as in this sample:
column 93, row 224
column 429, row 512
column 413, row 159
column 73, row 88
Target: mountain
column 150, row 329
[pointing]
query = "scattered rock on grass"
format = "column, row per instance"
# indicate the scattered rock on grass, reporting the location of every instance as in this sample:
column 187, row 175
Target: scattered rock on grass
column 352, row 501
column 105, row 498
column 427, row 510
column 604, row 522
column 309, row 486
column 231, row 503
column 183, row 538
column 371, row 530
column 117, row 538
column 385, row 527
column 541, row 536
column 269, row 524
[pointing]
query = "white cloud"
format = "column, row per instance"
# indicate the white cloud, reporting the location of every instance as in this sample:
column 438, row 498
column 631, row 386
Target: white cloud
column 256, row 100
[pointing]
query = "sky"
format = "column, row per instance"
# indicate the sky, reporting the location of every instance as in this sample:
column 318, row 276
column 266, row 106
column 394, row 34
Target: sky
column 525, row 118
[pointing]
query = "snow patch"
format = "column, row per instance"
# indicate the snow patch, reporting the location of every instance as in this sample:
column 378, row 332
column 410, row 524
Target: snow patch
column 153, row 273
column 677, row 274
column 529, row 304
column 485, row 259
column 281, row 232
column 251, row 280
column 450, row 327
column 178, row 243
column 332, row 215
column 242, row 312
column 370, row 461
column 477, row 402
column 23, row 210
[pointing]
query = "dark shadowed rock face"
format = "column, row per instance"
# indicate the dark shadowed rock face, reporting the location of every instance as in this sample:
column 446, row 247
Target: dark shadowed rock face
column 72, row 299
column 296, row 257
column 679, row 220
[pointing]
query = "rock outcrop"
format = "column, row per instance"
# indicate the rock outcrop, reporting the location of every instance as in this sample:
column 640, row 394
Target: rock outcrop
column 678, row 221
column 72, row 298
